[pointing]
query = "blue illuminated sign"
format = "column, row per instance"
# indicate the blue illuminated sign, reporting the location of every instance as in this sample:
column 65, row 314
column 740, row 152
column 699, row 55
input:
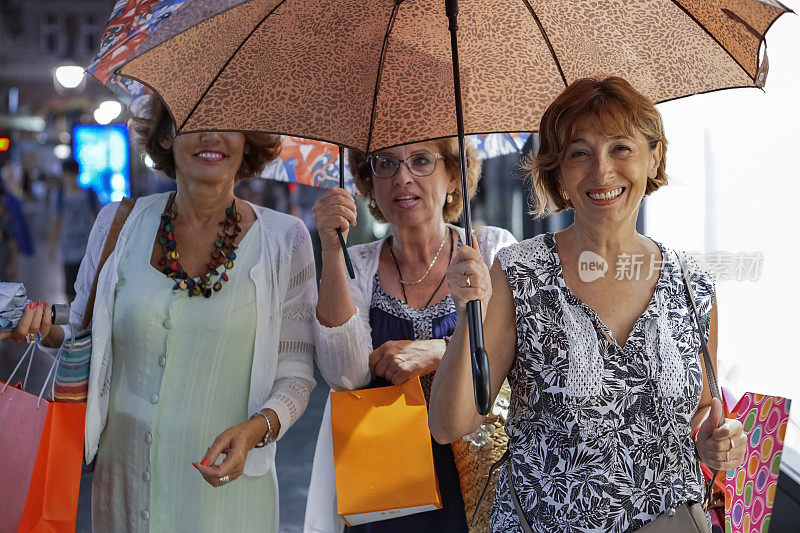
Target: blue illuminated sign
column 104, row 159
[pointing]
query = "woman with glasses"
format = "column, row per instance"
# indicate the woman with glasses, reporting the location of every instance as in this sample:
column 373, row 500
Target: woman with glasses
column 389, row 324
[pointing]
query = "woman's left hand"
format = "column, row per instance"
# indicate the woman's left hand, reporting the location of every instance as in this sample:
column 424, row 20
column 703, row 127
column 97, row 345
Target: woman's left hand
column 723, row 447
column 234, row 442
column 399, row 361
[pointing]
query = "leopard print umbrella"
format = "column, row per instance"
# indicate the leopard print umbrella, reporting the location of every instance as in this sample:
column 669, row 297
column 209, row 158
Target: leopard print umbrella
column 369, row 74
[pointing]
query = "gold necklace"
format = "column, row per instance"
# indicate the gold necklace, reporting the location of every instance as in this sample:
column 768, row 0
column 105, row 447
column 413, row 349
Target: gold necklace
column 425, row 275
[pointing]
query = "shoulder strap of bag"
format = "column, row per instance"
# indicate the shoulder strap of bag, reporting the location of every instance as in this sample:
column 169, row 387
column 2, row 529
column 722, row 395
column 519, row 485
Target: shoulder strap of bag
column 523, row 520
column 124, row 209
column 711, row 375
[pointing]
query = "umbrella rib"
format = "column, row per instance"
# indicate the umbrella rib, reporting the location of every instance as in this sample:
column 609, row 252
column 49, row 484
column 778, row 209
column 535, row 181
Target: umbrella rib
column 714, row 38
column 380, row 73
column 227, row 62
column 547, row 40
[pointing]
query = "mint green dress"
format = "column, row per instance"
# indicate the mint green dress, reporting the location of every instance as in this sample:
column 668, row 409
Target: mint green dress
column 180, row 377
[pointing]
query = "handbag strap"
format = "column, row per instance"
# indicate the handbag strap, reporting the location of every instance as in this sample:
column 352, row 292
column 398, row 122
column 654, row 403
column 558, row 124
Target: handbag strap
column 523, row 520
column 124, row 209
column 711, row 375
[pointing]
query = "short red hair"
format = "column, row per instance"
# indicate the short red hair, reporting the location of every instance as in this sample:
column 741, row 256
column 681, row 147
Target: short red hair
column 611, row 104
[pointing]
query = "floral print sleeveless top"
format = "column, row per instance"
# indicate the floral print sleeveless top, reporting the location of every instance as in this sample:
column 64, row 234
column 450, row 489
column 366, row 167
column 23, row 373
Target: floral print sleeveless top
column 599, row 435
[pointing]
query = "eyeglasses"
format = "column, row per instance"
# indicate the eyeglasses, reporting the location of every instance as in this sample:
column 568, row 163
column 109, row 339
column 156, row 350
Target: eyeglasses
column 420, row 164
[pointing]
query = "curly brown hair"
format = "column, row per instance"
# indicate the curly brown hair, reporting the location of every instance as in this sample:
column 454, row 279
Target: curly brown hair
column 362, row 175
column 612, row 104
column 155, row 124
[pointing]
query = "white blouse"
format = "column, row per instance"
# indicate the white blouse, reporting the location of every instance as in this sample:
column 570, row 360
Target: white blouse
column 282, row 374
column 342, row 350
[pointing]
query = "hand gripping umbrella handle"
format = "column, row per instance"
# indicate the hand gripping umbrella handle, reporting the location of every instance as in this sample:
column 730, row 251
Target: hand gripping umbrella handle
column 480, row 359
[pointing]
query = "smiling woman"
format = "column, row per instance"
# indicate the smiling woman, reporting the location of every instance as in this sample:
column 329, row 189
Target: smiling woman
column 202, row 337
column 604, row 370
column 614, row 109
column 155, row 126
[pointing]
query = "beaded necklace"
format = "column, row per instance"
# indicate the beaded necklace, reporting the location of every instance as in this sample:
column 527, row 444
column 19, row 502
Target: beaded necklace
column 223, row 255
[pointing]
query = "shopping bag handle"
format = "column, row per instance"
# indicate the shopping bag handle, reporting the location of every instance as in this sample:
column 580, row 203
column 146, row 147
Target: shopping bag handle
column 29, row 355
column 28, row 352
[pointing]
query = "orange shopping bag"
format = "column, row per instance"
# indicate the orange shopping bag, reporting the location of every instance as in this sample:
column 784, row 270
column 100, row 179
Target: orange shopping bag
column 42, row 444
column 382, row 453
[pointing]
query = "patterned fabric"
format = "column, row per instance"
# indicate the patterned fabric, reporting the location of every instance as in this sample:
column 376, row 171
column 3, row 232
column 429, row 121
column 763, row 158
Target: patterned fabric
column 72, row 374
column 515, row 57
column 131, row 22
column 599, row 434
column 432, row 322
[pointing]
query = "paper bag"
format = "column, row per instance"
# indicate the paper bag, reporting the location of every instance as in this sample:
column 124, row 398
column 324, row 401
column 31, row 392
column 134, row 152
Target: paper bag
column 383, row 458
column 41, row 463
column 750, row 489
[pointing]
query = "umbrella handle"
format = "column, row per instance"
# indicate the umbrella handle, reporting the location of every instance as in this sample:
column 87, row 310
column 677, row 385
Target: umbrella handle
column 347, row 261
column 480, row 359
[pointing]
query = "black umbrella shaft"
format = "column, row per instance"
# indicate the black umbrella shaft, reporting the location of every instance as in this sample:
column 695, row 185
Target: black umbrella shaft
column 347, row 262
column 479, row 358
column 451, row 7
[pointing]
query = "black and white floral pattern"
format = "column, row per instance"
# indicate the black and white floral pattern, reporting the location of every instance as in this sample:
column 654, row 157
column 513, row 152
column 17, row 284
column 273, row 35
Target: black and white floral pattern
column 599, row 435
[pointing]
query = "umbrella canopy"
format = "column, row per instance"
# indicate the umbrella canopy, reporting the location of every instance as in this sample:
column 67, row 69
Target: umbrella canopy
column 369, row 74
column 303, row 161
column 131, row 22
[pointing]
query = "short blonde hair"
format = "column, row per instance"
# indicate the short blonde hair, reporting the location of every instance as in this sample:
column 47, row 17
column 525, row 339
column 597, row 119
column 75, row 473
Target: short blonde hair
column 362, row 175
column 612, row 104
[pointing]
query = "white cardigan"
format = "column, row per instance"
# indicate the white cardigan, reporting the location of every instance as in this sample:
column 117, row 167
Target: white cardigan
column 342, row 357
column 286, row 293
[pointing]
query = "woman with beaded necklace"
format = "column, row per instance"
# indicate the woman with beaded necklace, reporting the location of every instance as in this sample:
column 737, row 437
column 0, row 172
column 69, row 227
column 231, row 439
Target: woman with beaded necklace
column 390, row 323
column 202, row 341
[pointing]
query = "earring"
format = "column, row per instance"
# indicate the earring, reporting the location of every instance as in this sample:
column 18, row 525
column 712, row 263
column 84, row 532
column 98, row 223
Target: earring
column 372, row 203
column 449, row 198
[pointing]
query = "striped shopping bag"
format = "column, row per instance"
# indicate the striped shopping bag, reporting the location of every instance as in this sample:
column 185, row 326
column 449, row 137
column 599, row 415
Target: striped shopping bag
column 72, row 375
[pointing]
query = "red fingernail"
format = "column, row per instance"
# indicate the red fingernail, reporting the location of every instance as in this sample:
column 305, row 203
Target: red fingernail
column 205, row 462
column 195, row 465
column 31, row 305
column 39, row 303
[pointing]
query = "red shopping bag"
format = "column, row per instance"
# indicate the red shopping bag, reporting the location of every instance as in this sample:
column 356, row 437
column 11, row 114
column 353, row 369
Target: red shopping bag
column 40, row 464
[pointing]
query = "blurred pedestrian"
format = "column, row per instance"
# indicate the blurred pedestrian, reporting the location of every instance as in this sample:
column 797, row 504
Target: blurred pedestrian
column 9, row 176
column 8, row 240
column 75, row 210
